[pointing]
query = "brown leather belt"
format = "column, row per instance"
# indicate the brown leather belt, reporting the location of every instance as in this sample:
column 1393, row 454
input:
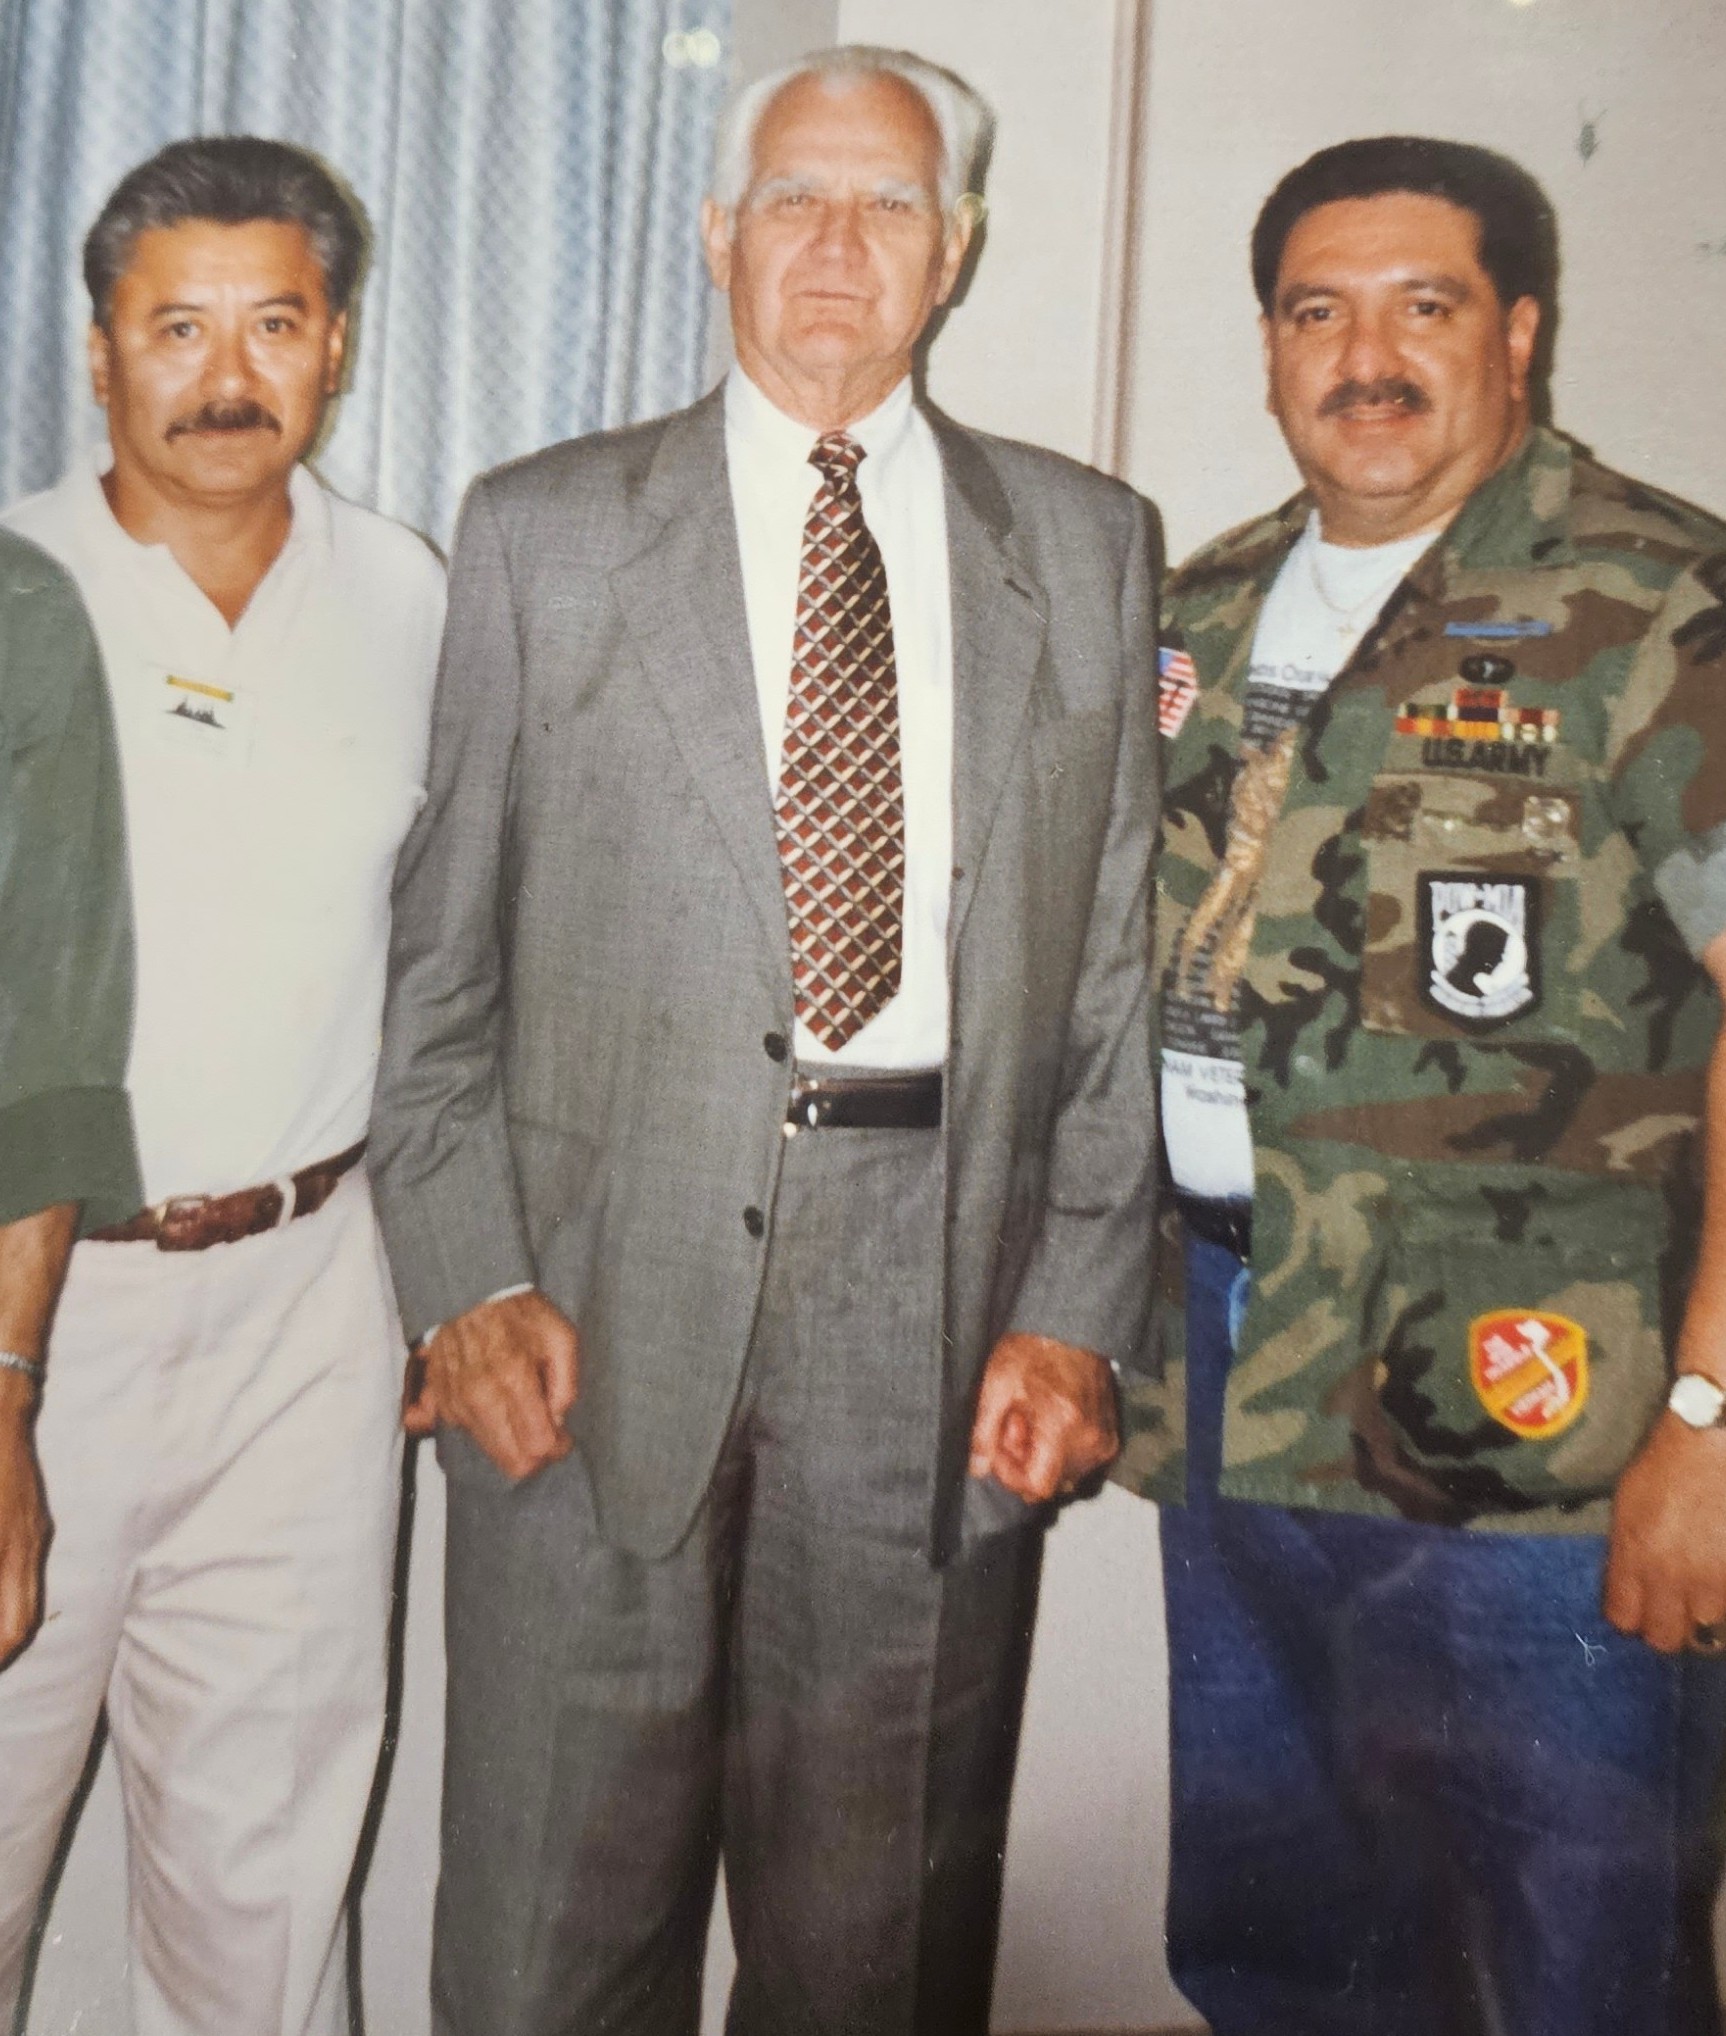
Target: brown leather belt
column 195, row 1222
column 868, row 1103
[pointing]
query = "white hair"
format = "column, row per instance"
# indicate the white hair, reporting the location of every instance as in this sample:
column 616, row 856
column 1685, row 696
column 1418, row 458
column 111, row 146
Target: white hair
column 961, row 116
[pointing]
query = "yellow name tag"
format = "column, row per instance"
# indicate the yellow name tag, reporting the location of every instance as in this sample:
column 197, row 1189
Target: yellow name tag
column 198, row 717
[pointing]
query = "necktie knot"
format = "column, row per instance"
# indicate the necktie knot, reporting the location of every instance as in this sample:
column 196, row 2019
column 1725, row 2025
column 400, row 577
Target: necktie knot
column 837, row 458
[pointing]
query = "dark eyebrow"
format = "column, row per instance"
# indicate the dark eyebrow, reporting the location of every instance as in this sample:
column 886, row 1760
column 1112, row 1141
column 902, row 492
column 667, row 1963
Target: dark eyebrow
column 289, row 300
column 1455, row 288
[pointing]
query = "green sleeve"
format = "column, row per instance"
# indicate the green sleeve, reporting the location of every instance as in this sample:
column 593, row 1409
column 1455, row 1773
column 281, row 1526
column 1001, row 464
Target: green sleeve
column 65, row 909
column 1666, row 752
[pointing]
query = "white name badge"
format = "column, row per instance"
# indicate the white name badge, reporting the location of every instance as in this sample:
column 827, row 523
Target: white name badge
column 1293, row 675
column 1205, row 1126
column 193, row 716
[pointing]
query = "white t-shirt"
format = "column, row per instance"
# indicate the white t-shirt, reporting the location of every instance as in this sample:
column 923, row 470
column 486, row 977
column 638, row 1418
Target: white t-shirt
column 1322, row 603
column 904, row 504
column 270, row 772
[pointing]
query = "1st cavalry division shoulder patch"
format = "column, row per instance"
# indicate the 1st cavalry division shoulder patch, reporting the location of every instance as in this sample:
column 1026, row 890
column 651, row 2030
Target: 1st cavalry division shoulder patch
column 1529, row 1370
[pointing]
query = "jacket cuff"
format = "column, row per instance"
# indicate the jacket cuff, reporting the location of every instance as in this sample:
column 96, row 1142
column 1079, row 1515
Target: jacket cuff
column 1087, row 1284
column 454, row 1237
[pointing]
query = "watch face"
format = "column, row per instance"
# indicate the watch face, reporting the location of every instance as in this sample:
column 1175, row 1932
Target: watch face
column 1695, row 1400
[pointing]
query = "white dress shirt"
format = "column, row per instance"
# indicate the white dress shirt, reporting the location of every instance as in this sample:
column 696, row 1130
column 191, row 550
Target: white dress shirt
column 902, row 486
column 270, row 772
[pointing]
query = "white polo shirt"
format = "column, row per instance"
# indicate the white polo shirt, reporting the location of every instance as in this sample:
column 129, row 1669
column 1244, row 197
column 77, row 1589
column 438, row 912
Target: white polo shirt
column 270, row 773
column 905, row 506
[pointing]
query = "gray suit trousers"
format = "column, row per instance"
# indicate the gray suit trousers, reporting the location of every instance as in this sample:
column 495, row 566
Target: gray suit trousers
column 795, row 1689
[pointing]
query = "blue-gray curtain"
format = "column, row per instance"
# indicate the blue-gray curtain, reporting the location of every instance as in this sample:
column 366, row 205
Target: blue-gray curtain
column 532, row 171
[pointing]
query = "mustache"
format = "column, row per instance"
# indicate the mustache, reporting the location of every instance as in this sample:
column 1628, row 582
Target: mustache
column 1388, row 389
column 244, row 416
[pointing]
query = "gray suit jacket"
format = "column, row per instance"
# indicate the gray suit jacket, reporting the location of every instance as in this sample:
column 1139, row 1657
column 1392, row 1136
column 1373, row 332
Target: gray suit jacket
column 590, row 945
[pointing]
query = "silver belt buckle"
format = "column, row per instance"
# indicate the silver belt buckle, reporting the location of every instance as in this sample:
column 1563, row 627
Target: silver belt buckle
column 174, row 1217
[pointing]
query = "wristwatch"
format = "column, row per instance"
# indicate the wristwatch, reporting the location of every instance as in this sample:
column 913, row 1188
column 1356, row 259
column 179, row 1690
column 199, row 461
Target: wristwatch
column 1697, row 1401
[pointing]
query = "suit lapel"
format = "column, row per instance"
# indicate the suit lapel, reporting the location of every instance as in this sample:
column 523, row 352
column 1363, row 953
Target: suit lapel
column 1000, row 619
column 681, row 598
column 682, row 603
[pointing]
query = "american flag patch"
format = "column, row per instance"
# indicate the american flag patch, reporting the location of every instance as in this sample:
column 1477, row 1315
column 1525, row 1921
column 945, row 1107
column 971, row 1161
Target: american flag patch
column 1177, row 689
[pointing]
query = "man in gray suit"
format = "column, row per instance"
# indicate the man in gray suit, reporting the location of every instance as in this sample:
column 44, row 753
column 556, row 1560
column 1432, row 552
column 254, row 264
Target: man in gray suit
column 768, row 1040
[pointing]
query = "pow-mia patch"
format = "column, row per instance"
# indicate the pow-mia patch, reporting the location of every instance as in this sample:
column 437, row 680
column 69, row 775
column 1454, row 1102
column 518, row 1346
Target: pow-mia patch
column 1479, row 951
column 1529, row 1369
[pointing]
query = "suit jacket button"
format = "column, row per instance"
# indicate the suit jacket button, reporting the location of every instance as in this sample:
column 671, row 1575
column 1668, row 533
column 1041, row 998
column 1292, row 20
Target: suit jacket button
column 776, row 1046
column 753, row 1221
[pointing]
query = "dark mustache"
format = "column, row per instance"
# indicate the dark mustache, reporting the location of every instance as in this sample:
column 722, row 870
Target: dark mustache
column 246, row 416
column 1389, row 389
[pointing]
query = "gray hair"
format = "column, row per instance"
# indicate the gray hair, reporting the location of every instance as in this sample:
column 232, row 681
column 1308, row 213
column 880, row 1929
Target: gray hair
column 231, row 179
column 961, row 115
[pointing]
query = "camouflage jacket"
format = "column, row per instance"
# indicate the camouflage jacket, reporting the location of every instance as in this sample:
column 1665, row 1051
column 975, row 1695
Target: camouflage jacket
column 1462, row 907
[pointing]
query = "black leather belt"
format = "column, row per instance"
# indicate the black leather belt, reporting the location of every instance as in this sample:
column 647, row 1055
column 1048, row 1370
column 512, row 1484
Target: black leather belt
column 1229, row 1224
column 868, row 1103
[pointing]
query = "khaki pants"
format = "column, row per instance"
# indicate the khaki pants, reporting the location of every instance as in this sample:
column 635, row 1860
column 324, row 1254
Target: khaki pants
column 220, row 1448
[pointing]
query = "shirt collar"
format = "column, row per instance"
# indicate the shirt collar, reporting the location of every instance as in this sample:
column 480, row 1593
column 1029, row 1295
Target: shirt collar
column 1518, row 519
column 309, row 530
column 753, row 419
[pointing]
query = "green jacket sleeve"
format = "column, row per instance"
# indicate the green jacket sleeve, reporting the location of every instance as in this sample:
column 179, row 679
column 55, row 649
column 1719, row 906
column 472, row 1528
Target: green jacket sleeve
column 65, row 909
column 1668, row 752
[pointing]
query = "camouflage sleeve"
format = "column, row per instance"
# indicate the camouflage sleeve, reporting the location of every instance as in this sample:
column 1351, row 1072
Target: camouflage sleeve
column 1666, row 753
column 65, row 911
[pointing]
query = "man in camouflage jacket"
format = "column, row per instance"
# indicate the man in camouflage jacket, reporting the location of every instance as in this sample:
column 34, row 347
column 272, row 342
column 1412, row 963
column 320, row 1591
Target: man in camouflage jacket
column 1459, row 917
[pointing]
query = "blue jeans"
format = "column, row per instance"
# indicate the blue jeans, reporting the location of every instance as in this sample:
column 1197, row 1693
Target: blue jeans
column 1420, row 1787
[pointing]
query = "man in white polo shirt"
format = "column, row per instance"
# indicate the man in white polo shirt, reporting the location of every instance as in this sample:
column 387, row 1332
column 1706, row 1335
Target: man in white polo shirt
column 218, row 1432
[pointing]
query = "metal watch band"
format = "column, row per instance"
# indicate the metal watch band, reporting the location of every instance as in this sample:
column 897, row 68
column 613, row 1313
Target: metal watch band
column 15, row 1360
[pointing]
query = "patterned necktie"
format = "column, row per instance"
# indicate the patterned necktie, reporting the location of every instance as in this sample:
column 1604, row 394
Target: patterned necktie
column 841, row 806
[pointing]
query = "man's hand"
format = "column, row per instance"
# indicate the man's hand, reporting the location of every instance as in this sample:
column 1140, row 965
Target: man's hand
column 507, row 1372
column 24, row 1525
column 33, row 1255
column 1666, row 1564
column 1666, row 1561
column 1045, row 1417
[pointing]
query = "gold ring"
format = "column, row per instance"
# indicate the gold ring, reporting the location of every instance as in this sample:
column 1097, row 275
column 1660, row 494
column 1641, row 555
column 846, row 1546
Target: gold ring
column 1709, row 1639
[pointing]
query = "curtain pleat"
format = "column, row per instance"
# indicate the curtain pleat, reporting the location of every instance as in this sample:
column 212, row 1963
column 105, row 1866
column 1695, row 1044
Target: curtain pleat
column 532, row 171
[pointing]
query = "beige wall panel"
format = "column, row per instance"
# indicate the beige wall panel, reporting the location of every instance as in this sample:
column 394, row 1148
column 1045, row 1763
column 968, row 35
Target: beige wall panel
column 1018, row 355
column 1615, row 107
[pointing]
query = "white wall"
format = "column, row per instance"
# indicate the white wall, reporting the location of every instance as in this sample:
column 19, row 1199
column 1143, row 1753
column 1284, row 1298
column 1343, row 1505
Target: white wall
column 1017, row 357
column 1240, row 92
